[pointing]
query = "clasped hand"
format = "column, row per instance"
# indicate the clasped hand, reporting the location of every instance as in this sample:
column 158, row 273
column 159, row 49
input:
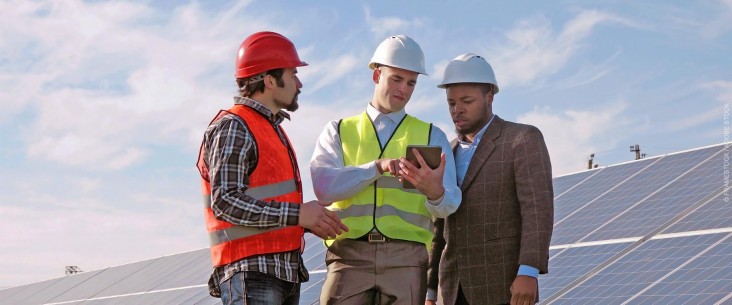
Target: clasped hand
column 319, row 220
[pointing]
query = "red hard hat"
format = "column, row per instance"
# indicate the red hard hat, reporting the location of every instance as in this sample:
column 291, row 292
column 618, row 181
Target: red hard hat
column 264, row 51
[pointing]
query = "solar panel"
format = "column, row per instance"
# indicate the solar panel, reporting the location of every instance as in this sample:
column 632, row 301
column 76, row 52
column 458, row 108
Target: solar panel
column 314, row 255
column 638, row 269
column 104, row 279
column 588, row 218
column 568, row 265
column 314, row 258
column 705, row 280
column 564, row 183
column 553, row 252
column 652, row 231
column 204, row 299
column 595, row 186
column 179, row 296
column 180, row 270
column 21, row 294
column 668, row 202
column 716, row 214
column 310, row 291
column 60, row 287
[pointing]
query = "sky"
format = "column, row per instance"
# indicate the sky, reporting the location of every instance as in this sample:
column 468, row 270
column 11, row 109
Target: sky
column 103, row 104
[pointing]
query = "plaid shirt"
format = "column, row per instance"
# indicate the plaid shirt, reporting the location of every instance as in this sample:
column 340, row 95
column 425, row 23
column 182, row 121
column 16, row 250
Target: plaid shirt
column 230, row 152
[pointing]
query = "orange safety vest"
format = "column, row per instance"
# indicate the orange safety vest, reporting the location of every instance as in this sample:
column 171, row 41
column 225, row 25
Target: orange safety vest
column 275, row 178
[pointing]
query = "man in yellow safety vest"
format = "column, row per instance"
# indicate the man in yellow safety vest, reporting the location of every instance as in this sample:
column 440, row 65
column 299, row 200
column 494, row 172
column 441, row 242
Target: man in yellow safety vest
column 357, row 163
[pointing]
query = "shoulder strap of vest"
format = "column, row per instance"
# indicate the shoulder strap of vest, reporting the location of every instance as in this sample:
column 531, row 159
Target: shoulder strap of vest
column 242, row 112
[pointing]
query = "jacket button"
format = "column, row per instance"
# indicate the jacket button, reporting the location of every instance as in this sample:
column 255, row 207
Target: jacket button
column 460, row 228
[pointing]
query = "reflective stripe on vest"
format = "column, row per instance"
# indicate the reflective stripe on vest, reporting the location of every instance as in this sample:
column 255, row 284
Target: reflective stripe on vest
column 264, row 191
column 261, row 192
column 395, row 212
column 275, row 178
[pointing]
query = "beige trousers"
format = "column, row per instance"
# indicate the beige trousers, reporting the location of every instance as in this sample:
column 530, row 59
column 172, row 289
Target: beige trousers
column 362, row 273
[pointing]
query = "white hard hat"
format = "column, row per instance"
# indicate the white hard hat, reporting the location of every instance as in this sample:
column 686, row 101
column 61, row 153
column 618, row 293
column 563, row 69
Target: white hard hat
column 468, row 68
column 399, row 51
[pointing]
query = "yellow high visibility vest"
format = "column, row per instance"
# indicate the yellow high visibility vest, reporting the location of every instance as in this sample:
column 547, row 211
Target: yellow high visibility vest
column 396, row 213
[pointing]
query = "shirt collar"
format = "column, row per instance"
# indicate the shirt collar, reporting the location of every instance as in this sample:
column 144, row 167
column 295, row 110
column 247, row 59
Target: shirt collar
column 274, row 118
column 395, row 117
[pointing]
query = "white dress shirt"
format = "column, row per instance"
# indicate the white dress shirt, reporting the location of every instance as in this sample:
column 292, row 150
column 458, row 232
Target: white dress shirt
column 332, row 181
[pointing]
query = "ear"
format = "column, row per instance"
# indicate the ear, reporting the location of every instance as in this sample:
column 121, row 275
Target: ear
column 269, row 81
column 489, row 98
column 376, row 74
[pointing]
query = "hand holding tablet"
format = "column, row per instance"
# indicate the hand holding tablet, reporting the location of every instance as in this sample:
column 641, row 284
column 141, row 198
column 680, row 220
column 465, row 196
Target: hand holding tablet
column 430, row 154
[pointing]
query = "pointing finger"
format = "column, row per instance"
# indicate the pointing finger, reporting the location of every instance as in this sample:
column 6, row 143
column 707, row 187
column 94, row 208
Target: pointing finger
column 421, row 161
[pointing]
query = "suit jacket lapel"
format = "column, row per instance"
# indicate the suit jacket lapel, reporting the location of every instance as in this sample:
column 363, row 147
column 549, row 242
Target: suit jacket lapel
column 483, row 151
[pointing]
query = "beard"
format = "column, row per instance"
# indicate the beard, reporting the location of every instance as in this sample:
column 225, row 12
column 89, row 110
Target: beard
column 291, row 106
column 473, row 127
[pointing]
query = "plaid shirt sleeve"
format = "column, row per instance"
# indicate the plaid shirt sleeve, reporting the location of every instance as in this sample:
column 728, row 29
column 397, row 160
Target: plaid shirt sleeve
column 231, row 156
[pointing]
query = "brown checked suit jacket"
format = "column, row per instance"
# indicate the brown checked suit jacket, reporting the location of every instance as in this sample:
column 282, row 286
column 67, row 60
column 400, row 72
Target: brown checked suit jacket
column 505, row 219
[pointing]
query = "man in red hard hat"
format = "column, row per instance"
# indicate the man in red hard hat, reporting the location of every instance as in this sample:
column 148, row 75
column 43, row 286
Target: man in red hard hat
column 255, row 215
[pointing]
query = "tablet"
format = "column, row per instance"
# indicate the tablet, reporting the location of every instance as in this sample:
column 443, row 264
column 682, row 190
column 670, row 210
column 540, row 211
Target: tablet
column 430, row 154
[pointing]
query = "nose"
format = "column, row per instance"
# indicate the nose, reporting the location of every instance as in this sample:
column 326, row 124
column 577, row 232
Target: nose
column 298, row 84
column 402, row 87
column 456, row 109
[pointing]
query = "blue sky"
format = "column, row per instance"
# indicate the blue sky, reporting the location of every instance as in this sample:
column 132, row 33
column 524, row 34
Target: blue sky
column 104, row 102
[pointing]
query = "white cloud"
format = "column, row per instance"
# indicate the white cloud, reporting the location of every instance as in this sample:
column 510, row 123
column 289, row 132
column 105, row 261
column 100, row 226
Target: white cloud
column 722, row 91
column 87, row 185
column 693, row 120
column 89, row 237
column 685, row 24
column 572, row 135
column 95, row 220
column 328, row 71
column 385, row 26
column 718, row 25
column 92, row 152
column 533, row 52
column 102, row 86
column 438, row 71
column 589, row 73
column 80, row 49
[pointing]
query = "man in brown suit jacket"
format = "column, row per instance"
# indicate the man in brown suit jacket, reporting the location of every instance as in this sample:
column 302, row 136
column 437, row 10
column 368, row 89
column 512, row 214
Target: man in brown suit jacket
column 498, row 240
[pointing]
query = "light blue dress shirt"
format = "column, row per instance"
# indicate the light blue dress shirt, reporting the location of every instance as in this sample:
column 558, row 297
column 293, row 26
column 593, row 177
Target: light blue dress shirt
column 463, row 154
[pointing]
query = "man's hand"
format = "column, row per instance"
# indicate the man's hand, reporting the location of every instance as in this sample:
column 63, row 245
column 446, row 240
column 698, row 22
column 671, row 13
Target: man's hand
column 319, row 220
column 428, row 181
column 523, row 290
column 388, row 165
column 429, row 302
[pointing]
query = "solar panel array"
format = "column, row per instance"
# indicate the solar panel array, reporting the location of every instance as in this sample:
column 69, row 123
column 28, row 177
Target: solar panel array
column 651, row 231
